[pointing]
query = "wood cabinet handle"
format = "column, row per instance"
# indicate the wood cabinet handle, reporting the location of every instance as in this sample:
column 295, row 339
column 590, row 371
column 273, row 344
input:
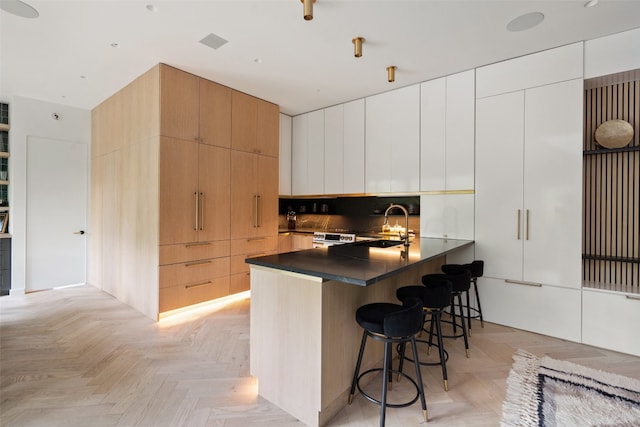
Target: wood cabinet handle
column 190, row 245
column 195, row 196
column 195, row 285
column 518, row 224
column 201, row 211
column 520, row 282
column 255, row 211
column 256, row 239
column 259, row 209
column 191, row 264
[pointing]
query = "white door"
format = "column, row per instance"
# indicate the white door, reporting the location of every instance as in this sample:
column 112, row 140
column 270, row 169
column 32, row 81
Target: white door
column 499, row 180
column 56, row 213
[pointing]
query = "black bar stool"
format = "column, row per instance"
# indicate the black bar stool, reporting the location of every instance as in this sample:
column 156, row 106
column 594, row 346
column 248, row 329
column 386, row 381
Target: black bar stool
column 391, row 324
column 436, row 296
column 460, row 277
column 477, row 270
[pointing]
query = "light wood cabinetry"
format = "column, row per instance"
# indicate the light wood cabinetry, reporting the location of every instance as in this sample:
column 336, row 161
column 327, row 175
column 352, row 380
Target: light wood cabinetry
column 162, row 186
column 254, row 125
column 284, row 156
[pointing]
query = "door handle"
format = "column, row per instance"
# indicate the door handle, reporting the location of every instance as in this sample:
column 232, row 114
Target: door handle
column 518, row 224
column 79, row 232
column 259, row 210
column 255, row 211
column 201, row 211
column 195, row 196
column 527, row 225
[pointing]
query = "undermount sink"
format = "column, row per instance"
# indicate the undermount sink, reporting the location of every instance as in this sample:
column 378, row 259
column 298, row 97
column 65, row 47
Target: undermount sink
column 383, row 243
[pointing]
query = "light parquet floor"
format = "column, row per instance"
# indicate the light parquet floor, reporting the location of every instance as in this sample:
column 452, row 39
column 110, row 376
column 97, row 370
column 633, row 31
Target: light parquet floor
column 78, row 357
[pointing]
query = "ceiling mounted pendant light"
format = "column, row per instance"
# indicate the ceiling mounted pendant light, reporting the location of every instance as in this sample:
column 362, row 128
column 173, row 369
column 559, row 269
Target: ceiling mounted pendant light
column 308, row 9
column 357, row 46
column 391, row 73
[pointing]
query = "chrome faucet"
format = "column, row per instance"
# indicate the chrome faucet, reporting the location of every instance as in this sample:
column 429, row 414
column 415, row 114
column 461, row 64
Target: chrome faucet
column 406, row 219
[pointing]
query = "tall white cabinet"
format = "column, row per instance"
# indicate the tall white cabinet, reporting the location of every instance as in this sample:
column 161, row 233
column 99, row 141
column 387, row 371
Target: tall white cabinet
column 392, row 156
column 307, row 154
column 528, row 192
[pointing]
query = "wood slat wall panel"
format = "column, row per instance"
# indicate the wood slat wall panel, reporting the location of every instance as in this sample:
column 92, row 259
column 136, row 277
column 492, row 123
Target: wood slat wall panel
column 611, row 215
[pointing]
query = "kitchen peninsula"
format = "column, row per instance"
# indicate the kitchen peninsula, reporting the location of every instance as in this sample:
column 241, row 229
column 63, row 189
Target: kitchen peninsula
column 304, row 338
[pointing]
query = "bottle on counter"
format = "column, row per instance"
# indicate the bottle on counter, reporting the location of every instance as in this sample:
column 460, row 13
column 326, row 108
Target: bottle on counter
column 291, row 219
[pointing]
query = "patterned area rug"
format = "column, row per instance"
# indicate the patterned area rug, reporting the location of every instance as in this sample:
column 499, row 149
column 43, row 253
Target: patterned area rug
column 547, row 392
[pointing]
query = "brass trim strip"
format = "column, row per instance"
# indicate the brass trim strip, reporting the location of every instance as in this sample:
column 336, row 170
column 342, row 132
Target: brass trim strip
column 191, row 264
column 520, row 282
column 196, row 285
column 410, row 193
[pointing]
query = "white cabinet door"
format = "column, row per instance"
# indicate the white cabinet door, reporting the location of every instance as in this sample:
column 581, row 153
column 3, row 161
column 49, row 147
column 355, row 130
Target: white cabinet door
column 447, row 216
column 393, row 141
column 315, row 153
column 547, row 310
column 552, row 184
column 610, row 320
column 353, row 152
column 284, row 162
column 499, row 176
column 460, row 127
column 299, row 154
column 307, row 153
column 433, row 134
column 333, row 149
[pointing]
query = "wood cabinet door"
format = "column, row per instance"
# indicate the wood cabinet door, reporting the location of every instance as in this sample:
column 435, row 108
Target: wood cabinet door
column 178, row 191
column 215, row 114
column 268, row 129
column 499, row 177
column 244, row 120
column 268, row 196
column 244, row 202
column 178, row 104
column 214, row 184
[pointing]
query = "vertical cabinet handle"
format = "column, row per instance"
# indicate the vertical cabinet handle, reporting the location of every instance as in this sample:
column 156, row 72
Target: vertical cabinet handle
column 255, row 211
column 201, row 211
column 195, row 196
column 259, row 210
column 518, row 224
column 527, row 225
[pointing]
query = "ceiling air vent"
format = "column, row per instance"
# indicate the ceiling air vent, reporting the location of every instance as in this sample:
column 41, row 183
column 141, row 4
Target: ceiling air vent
column 213, row 41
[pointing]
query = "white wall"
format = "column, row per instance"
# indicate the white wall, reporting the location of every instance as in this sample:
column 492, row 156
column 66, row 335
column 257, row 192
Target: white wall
column 30, row 117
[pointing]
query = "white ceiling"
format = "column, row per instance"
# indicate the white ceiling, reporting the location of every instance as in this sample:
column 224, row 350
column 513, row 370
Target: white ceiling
column 305, row 65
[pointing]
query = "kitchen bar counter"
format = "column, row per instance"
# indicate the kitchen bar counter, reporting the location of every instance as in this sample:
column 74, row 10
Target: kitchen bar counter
column 357, row 263
column 304, row 337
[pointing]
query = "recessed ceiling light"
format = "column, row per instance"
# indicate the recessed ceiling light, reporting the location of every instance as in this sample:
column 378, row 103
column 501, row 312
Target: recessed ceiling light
column 115, row 45
column 152, row 8
column 18, row 8
column 83, row 77
column 525, row 22
column 591, row 3
column 257, row 61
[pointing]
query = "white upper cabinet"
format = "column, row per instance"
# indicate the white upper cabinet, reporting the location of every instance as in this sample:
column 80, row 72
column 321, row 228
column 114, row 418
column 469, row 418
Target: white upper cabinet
column 447, row 133
column 284, row 162
column 549, row 66
column 307, row 153
column 612, row 54
column 344, row 148
column 392, row 157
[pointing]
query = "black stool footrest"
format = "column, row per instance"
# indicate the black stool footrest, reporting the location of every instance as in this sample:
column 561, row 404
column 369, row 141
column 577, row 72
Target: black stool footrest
column 446, row 354
column 458, row 325
column 389, row 405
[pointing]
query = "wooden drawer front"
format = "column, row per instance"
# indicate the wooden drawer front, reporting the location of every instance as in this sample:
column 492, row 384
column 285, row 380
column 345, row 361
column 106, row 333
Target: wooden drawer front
column 239, row 283
column 238, row 264
column 254, row 245
column 172, row 254
column 193, row 273
column 185, row 295
column 610, row 321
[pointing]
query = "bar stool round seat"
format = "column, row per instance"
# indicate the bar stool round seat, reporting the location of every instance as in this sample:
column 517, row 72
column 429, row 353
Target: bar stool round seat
column 390, row 324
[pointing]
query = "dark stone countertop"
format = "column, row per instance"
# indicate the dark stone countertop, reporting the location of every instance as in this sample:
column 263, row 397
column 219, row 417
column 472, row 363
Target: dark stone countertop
column 357, row 263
